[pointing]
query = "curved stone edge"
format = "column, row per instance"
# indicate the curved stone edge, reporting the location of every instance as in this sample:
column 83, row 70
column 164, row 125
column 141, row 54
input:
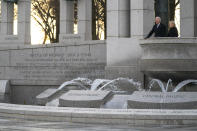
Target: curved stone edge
column 99, row 116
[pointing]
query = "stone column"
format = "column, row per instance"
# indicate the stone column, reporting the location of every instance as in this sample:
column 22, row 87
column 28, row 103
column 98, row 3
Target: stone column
column 188, row 18
column 66, row 21
column 118, row 18
column 66, row 17
column 7, row 18
column 24, row 16
column 142, row 17
column 85, row 19
column 195, row 18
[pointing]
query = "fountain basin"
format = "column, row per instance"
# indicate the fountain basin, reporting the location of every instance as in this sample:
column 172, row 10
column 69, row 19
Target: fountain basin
column 163, row 100
column 136, row 117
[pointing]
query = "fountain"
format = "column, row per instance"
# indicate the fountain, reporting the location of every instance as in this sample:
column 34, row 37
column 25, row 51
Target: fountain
column 165, row 89
column 120, row 100
column 164, row 99
column 160, row 84
column 120, row 93
column 105, row 91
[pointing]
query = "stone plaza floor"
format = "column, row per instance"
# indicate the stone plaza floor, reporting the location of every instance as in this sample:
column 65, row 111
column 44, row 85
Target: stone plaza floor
column 7, row 124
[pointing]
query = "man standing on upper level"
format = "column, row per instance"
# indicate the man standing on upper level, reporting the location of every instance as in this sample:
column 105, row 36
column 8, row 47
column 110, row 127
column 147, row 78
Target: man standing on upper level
column 158, row 29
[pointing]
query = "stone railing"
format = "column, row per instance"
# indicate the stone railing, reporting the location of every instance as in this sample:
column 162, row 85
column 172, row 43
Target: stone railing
column 166, row 58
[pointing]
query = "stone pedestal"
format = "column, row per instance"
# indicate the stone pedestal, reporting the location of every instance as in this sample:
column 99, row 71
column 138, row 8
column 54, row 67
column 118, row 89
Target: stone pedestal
column 46, row 96
column 160, row 100
column 118, row 18
column 188, row 18
column 85, row 19
column 24, row 16
column 142, row 17
column 85, row 99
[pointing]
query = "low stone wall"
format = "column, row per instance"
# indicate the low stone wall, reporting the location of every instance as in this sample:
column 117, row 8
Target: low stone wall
column 136, row 117
column 50, row 65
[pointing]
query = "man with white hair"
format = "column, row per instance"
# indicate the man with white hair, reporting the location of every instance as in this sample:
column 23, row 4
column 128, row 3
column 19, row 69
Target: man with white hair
column 158, row 29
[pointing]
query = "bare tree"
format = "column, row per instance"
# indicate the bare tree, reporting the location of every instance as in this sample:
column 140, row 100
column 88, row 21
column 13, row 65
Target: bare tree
column 99, row 19
column 46, row 14
column 75, row 11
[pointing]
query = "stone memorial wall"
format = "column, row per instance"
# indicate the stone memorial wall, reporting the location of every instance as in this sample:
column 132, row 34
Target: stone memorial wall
column 56, row 63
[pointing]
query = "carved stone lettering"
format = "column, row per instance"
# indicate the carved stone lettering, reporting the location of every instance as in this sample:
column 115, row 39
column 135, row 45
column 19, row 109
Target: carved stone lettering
column 47, row 65
column 11, row 38
column 71, row 37
column 162, row 100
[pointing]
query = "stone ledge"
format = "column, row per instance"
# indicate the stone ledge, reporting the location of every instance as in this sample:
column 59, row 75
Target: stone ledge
column 81, row 43
column 168, row 40
column 168, row 65
column 165, row 58
column 106, row 116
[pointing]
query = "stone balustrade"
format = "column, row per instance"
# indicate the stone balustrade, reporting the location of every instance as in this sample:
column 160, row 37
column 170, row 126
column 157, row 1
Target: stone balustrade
column 165, row 58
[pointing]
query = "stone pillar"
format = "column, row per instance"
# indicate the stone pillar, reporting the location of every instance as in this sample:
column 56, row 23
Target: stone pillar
column 118, row 18
column 66, row 21
column 66, row 17
column 7, row 18
column 188, row 18
column 24, row 16
column 85, row 19
column 195, row 18
column 142, row 17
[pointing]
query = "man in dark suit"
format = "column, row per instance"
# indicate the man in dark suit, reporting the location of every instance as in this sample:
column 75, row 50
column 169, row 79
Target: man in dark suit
column 158, row 29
